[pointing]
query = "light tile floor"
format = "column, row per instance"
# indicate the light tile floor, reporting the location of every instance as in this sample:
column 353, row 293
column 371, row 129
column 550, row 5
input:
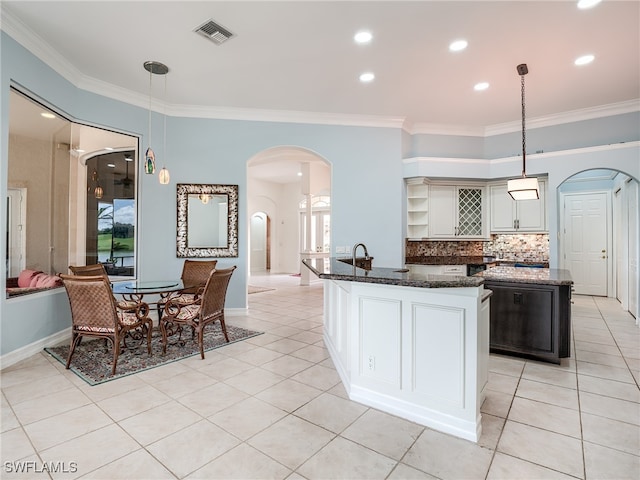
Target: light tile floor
column 273, row 407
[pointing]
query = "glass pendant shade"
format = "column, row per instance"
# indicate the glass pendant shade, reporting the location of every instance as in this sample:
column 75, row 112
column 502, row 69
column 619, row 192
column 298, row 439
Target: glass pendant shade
column 204, row 198
column 149, row 162
column 525, row 188
column 164, row 176
column 98, row 192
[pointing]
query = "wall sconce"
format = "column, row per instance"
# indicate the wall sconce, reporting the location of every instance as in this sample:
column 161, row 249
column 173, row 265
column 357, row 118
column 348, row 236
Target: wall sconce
column 524, row 188
column 204, row 198
column 98, row 192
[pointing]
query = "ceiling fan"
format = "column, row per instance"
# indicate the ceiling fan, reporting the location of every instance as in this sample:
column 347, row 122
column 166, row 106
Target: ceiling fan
column 126, row 181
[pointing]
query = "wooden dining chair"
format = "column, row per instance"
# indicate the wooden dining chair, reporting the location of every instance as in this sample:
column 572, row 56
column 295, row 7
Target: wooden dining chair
column 195, row 274
column 98, row 269
column 95, row 313
column 206, row 307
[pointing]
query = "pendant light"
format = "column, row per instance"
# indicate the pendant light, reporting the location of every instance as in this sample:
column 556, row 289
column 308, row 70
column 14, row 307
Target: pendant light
column 523, row 188
column 154, row 68
column 98, row 192
column 164, row 176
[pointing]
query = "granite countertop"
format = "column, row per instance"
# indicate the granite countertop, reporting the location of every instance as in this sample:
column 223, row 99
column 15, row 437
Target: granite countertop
column 334, row 269
column 467, row 260
column 449, row 260
column 541, row 276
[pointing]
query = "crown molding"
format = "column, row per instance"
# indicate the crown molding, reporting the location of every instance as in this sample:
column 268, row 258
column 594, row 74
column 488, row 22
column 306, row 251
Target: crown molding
column 22, row 34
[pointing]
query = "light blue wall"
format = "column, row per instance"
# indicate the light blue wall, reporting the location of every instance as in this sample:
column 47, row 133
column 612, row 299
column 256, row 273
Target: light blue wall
column 582, row 134
column 451, row 146
column 367, row 184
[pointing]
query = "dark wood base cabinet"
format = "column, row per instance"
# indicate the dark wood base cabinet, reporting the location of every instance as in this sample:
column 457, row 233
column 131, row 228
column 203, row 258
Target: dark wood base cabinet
column 530, row 320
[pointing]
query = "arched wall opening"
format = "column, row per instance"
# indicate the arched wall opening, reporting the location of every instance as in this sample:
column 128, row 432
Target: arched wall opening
column 279, row 180
column 598, row 233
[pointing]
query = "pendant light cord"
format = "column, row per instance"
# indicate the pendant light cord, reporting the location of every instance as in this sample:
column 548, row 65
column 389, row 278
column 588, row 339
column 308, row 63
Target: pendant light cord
column 524, row 145
column 150, row 75
column 164, row 145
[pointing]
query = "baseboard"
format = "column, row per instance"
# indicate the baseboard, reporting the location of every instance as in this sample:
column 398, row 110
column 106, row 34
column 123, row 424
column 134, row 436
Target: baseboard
column 25, row 352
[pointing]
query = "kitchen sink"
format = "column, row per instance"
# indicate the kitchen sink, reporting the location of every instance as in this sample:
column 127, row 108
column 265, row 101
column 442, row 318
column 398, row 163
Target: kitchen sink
column 361, row 262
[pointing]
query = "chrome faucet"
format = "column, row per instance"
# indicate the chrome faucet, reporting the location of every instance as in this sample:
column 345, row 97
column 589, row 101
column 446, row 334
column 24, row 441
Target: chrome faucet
column 355, row 248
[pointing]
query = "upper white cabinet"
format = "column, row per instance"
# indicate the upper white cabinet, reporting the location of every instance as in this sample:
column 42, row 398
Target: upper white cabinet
column 507, row 215
column 457, row 212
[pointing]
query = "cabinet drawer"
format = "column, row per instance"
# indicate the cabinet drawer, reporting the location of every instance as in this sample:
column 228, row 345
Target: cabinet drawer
column 454, row 270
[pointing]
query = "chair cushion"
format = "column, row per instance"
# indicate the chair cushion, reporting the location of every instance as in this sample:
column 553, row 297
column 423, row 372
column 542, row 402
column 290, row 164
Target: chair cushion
column 127, row 304
column 128, row 318
column 188, row 312
column 25, row 277
column 85, row 328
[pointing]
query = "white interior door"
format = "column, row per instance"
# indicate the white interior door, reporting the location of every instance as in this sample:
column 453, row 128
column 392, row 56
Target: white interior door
column 258, row 242
column 620, row 248
column 16, row 224
column 586, row 249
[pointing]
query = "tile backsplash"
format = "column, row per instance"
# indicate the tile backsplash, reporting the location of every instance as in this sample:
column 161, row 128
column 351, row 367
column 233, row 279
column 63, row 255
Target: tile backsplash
column 519, row 247
column 513, row 247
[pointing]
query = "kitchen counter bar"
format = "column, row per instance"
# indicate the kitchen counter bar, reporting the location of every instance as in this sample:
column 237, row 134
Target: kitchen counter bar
column 412, row 345
column 333, row 269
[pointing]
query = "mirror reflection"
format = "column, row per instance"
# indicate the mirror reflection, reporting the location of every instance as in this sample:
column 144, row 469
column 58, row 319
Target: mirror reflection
column 71, row 192
column 207, row 216
column 207, row 220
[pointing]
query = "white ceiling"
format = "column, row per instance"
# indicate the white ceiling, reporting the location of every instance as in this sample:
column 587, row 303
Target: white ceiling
column 297, row 59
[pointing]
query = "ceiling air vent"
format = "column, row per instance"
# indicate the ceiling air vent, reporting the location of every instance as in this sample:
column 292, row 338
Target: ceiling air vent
column 214, row 32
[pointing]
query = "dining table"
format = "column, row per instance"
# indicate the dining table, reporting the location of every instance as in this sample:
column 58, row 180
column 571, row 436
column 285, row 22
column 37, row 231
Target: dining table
column 136, row 290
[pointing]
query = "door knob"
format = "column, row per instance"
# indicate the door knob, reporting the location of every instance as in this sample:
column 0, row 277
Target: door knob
column 603, row 250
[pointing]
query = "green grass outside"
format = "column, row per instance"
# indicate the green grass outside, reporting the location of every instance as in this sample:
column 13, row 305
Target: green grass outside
column 121, row 245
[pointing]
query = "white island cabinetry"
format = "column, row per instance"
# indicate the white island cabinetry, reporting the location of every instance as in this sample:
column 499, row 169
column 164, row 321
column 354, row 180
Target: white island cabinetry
column 419, row 353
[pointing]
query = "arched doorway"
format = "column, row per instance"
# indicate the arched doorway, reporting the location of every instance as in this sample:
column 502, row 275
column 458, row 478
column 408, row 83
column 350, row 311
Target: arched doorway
column 279, row 179
column 260, row 241
column 598, row 212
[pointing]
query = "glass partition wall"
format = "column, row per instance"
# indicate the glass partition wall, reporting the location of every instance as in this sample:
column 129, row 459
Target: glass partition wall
column 71, row 193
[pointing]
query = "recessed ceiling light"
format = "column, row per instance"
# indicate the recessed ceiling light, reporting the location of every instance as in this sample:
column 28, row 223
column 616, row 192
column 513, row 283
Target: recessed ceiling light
column 109, row 149
column 584, row 4
column 367, row 77
column 363, row 37
column 584, row 60
column 47, row 115
column 458, row 45
column 481, row 86
column 299, row 174
column 111, row 165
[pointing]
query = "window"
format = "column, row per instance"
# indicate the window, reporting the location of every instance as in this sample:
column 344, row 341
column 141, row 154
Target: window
column 320, row 234
column 49, row 174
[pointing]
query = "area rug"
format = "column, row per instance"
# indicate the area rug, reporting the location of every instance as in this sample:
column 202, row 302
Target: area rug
column 254, row 289
column 93, row 363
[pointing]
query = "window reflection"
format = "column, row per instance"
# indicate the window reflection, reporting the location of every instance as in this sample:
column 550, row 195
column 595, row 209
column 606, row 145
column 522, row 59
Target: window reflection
column 57, row 175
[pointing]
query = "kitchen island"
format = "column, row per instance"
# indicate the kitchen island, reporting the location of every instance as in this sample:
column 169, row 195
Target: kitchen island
column 530, row 312
column 409, row 344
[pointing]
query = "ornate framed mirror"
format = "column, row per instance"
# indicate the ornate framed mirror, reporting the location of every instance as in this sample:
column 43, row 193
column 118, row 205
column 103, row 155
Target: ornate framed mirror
column 207, row 220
